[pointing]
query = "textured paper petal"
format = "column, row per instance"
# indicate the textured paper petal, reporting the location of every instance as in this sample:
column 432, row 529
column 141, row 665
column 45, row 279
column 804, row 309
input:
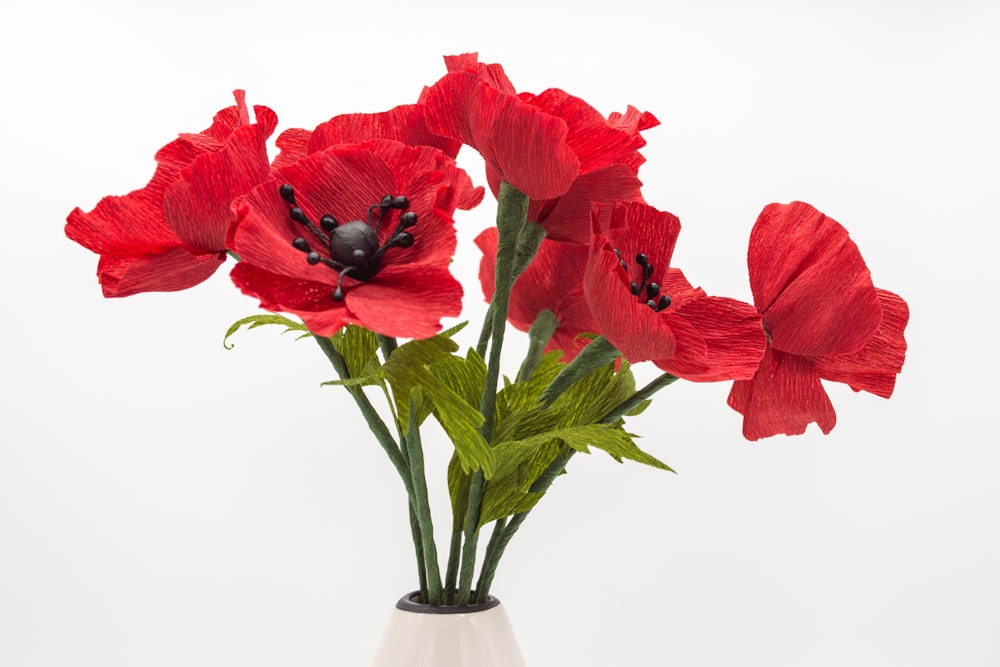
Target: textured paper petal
column 198, row 204
column 169, row 271
column 784, row 396
column 875, row 366
column 810, row 283
column 525, row 145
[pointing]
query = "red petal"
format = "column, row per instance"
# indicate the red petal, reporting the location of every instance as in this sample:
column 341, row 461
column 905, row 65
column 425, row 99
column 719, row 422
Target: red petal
column 732, row 340
column 528, row 147
column 568, row 217
column 197, row 206
column 596, row 142
column 784, row 396
column 310, row 300
column 634, row 328
column 874, row 367
column 293, row 144
column 169, row 271
column 405, row 124
column 810, row 283
column 406, row 302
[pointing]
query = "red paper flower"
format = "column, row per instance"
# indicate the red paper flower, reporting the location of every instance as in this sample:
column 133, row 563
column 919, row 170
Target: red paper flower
column 651, row 313
column 553, row 147
column 552, row 281
column 170, row 235
column 824, row 319
column 358, row 234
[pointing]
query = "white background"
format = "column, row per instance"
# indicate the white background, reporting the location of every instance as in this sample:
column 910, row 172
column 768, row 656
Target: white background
column 165, row 502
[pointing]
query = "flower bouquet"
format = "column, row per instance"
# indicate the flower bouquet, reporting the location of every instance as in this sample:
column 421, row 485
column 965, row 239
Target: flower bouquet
column 350, row 229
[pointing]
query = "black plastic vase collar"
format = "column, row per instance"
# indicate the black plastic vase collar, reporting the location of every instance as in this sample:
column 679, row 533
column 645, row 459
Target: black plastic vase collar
column 409, row 602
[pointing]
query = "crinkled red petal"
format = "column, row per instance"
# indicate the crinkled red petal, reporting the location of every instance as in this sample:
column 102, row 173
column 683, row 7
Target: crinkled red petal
column 810, row 283
column 568, row 217
column 733, row 341
column 784, row 396
column 527, row 146
column 638, row 332
column 875, row 366
column 169, row 271
column 408, row 302
column 198, row 204
column 595, row 141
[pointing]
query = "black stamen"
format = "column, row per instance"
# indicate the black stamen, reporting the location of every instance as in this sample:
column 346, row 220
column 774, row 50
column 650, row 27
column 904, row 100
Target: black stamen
column 652, row 290
column 353, row 247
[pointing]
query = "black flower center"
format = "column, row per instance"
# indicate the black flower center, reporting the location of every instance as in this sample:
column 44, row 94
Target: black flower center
column 353, row 246
column 646, row 292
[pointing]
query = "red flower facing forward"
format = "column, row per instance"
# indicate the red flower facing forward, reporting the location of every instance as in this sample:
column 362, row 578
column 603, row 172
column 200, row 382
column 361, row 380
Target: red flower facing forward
column 355, row 234
column 171, row 234
column 552, row 281
column 651, row 313
column 824, row 319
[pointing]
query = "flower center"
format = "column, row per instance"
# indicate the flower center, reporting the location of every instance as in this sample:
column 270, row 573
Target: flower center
column 353, row 246
column 645, row 292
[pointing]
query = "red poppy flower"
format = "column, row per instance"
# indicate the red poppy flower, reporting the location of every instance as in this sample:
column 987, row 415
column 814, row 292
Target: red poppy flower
column 553, row 281
column 170, row 235
column 554, row 147
column 476, row 104
column 824, row 320
column 358, row 234
column 651, row 313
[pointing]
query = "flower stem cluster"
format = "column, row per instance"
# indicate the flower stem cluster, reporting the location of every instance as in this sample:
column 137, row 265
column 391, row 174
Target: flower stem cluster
column 351, row 228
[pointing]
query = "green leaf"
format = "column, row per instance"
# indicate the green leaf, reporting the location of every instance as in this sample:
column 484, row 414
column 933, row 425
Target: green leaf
column 255, row 321
column 446, row 382
column 596, row 354
column 519, row 465
column 358, row 346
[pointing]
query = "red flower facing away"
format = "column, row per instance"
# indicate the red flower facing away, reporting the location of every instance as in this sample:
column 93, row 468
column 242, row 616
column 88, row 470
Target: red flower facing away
column 355, row 234
column 540, row 144
column 552, row 281
column 651, row 313
column 170, row 235
column 824, row 320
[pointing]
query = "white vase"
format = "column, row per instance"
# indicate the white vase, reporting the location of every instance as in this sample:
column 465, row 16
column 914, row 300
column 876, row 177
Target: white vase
column 419, row 635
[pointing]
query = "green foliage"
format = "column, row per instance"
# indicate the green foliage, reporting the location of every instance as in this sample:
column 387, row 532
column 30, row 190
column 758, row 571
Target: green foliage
column 358, row 346
column 530, row 436
column 449, row 390
column 255, row 321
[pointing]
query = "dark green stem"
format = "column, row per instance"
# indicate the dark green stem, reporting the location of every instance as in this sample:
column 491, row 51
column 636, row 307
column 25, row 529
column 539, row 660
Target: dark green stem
column 512, row 213
column 454, row 554
column 375, row 423
column 415, row 454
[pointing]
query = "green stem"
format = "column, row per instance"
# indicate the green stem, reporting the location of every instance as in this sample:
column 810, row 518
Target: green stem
column 454, row 554
column 490, row 561
column 421, row 504
column 512, row 214
column 375, row 423
column 472, row 514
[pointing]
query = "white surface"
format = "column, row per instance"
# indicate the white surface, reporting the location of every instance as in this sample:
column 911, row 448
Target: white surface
column 165, row 502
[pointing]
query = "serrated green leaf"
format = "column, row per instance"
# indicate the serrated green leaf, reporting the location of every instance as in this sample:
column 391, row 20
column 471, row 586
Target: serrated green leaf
column 606, row 437
column 640, row 408
column 411, row 365
column 255, row 321
column 519, row 465
column 358, row 346
column 586, row 401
